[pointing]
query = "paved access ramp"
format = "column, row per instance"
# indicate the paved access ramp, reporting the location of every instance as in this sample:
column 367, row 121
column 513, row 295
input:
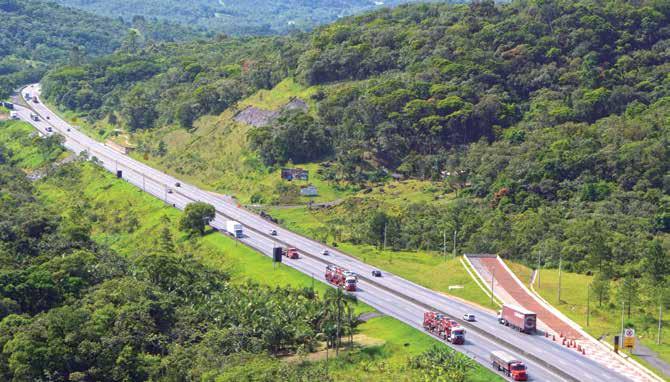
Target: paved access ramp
column 495, row 274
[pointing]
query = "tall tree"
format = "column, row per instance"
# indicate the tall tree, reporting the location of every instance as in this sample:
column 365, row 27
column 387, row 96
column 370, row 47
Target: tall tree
column 196, row 216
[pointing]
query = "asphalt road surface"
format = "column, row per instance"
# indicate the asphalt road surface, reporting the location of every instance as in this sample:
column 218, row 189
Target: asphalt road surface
column 390, row 294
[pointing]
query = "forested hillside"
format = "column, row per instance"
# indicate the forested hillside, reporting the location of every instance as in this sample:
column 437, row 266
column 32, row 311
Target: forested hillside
column 241, row 17
column 36, row 33
column 542, row 125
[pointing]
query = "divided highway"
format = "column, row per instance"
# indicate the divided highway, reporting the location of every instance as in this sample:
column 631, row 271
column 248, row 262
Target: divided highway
column 390, row 294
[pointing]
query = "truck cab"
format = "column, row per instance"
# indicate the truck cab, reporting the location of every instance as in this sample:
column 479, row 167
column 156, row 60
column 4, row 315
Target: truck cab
column 457, row 336
column 517, row 370
column 291, row 253
column 350, row 284
column 509, row 364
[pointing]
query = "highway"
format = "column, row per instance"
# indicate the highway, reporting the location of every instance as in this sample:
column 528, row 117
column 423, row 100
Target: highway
column 390, row 294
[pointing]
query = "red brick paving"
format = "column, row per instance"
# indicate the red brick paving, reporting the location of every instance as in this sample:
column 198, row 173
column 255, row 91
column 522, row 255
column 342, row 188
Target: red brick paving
column 509, row 284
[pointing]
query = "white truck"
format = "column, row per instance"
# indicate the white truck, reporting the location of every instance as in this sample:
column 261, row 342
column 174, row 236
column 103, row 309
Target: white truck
column 13, row 115
column 234, row 229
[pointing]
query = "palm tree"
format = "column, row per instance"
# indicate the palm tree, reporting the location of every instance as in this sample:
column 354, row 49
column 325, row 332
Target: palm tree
column 334, row 303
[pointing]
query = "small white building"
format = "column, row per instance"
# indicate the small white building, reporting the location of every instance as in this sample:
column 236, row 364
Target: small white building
column 309, row 191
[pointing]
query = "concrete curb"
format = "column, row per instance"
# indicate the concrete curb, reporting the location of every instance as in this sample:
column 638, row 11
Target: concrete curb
column 577, row 327
column 477, row 279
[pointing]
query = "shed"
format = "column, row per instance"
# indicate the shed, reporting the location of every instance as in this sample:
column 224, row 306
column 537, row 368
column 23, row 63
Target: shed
column 309, row 191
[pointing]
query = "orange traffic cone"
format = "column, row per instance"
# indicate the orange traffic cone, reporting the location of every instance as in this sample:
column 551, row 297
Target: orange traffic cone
column 554, row 338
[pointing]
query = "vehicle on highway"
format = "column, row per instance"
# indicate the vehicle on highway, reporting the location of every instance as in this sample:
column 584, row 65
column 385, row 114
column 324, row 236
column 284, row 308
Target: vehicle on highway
column 377, row 273
column 291, row 253
column 325, row 252
column 13, row 115
column 35, row 100
column 48, row 117
column 511, row 366
column 34, row 117
column 469, row 317
column 177, row 184
column 273, row 232
column 351, row 274
column 27, row 96
column 49, row 129
column 444, row 327
column 169, row 191
column 336, row 276
column 7, row 105
column 518, row 318
column 68, row 129
column 234, row 229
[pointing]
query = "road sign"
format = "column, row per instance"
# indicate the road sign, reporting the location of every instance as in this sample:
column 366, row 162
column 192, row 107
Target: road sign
column 629, row 338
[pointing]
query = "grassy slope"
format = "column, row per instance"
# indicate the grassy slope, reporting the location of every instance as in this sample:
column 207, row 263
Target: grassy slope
column 19, row 137
column 604, row 320
column 429, row 269
column 108, row 195
column 214, row 155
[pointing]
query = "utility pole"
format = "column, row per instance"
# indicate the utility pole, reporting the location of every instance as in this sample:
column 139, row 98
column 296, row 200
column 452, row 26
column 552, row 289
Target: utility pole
column 623, row 304
column 455, row 243
column 660, row 320
column 539, row 254
column 588, row 303
column 560, row 268
column 444, row 244
column 385, row 236
column 144, row 187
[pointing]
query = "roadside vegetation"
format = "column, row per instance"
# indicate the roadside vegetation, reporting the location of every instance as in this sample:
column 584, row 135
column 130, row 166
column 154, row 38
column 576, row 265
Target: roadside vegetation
column 605, row 301
column 88, row 259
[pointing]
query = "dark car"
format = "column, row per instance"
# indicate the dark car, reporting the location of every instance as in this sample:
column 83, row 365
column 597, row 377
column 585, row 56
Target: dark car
column 177, row 184
column 377, row 273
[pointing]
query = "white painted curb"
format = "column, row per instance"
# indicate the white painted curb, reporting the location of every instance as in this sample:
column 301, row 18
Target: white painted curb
column 478, row 280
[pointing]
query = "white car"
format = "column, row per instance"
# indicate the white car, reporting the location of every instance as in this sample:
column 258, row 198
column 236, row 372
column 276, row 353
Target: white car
column 325, row 252
column 469, row 317
column 273, row 232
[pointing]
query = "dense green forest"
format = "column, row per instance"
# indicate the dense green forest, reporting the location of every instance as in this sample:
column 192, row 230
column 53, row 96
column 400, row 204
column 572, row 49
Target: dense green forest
column 240, row 17
column 543, row 124
column 35, row 34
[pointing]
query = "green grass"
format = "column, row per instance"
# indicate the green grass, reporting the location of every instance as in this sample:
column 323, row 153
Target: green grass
column 388, row 362
column 604, row 320
column 105, row 194
column 429, row 269
column 22, row 140
column 280, row 95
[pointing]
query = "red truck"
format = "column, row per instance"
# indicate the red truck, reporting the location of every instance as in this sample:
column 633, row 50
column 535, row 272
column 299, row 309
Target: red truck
column 517, row 317
column 336, row 276
column 291, row 253
column 509, row 365
column 442, row 326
